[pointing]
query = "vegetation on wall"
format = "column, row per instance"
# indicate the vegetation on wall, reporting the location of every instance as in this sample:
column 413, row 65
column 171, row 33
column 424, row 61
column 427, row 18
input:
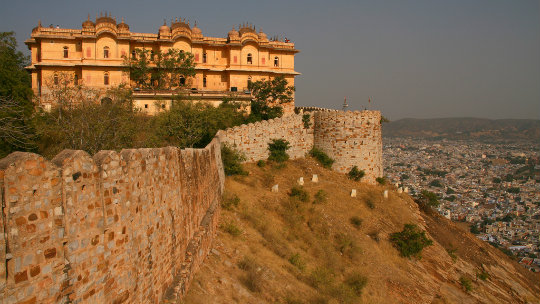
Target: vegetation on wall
column 355, row 174
column 278, row 148
column 323, row 158
column 268, row 95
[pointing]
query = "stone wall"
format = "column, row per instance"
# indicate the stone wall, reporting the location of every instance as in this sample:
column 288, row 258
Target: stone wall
column 350, row 138
column 252, row 139
column 128, row 227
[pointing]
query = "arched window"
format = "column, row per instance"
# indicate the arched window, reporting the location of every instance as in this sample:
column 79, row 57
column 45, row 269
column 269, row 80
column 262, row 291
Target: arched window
column 106, row 78
column 249, row 58
column 182, row 80
column 66, row 52
column 204, row 58
column 276, row 61
column 55, row 79
column 106, row 52
column 204, row 82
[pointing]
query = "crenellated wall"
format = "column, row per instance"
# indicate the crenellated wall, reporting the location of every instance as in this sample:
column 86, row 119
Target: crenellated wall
column 350, row 138
column 128, row 227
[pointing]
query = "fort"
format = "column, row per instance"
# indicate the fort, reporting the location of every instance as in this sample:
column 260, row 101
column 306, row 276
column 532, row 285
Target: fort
column 134, row 226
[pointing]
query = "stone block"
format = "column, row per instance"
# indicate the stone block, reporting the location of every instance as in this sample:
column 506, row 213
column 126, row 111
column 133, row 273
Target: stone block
column 315, row 178
column 275, row 188
column 300, row 181
column 353, row 193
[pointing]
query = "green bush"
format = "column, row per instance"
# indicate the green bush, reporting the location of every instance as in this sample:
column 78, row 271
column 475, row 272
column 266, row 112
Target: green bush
column 232, row 161
column 410, row 241
column 357, row 282
column 297, row 261
column 306, row 120
column 322, row 157
column 299, row 193
column 356, row 174
column 466, row 283
column 381, row 180
column 356, row 221
column 482, row 275
column 261, row 163
column 278, row 148
column 320, row 197
column 232, row 228
column 427, row 201
column 229, row 203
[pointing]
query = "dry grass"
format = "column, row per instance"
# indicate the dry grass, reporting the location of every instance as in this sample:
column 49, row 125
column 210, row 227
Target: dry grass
column 330, row 249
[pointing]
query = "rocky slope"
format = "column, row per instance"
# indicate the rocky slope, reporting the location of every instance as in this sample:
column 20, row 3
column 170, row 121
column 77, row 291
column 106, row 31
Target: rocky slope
column 334, row 248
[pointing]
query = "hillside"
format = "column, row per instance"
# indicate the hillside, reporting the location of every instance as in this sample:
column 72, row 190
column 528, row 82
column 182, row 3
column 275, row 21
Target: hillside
column 464, row 128
column 274, row 249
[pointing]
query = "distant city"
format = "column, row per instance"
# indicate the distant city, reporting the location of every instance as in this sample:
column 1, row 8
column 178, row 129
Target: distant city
column 495, row 188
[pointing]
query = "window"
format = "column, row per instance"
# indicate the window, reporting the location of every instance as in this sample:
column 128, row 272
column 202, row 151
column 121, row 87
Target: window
column 249, row 59
column 66, row 52
column 75, row 79
column 133, row 55
column 152, row 55
column 276, row 61
column 106, row 78
column 204, row 82
column 249, row 82
column 182, row 80
column 146, row 106
column 204, row 58
column 55, row 79
column 106, row 52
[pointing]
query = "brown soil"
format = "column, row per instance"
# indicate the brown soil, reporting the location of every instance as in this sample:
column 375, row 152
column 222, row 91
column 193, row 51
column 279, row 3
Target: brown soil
column 272, row 248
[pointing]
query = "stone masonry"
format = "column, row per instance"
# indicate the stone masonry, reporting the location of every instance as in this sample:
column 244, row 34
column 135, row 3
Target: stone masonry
column 128, row 227
column 350, row 138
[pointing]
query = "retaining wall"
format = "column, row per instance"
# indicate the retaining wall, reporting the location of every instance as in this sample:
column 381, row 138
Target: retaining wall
column 128, row 227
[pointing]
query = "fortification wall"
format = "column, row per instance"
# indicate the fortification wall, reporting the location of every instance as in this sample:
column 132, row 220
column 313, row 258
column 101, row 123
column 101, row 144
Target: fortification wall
column 252, row 139
column 351, row 139
column 128, row 227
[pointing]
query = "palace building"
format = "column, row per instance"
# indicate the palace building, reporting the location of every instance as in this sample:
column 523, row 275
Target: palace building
column 94, row 56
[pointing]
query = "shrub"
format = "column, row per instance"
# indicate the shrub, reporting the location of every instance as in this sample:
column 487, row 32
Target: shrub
column 306, row 120
column 278, row 148
column 322, row 157
column 299, row 193
column 321, row 278
column 253, row 279
column 370, row 203
column 356, row 221
column 229, row 202
column 427, row 201
column 482, row 275
column 452, row 253
column 356, row 174
column 232, row 161
column 345, row 244
column 261, row 163
column 381, row 180
column 232, row 228
column 320, row 197
column 410, row 241
column 357, row 282
column 297, row 261
column 466, row 283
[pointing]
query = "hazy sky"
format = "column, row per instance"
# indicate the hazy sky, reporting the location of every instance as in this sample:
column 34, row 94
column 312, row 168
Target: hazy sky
column 424, row 59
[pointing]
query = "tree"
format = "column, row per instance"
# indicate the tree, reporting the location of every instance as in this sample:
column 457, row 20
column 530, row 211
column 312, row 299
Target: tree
column 160, row 70
column 16, row 108
column 268, row 95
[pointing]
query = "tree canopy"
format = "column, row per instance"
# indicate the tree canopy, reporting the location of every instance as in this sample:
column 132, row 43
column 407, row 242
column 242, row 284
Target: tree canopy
column 160, row 70
column 268, row 95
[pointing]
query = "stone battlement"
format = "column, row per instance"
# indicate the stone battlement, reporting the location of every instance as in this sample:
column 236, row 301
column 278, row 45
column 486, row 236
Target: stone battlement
column 128, row 227
column 351, row 138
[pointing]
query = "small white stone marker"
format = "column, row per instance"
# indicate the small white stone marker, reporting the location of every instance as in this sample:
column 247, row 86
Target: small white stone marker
column 315, row 178
column 406, row 190
column 301, row 181
column 400, row 190
column 397, row 185
column 275, row 188
column 353, row 193
column 385, row 193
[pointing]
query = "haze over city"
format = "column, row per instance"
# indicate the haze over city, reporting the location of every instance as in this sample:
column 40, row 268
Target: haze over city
column 422, row 59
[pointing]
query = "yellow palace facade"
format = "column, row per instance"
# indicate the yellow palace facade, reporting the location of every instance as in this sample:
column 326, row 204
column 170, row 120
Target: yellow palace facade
column 94, row 56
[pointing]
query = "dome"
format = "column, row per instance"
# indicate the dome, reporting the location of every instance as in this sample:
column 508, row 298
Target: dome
column 180, row 24
column 88, row 23
column 262, row 35
column 247, row 28
column 123, row 26
column 105, row 19
column 164, row 28
column 233, row 33
column 195, row 30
